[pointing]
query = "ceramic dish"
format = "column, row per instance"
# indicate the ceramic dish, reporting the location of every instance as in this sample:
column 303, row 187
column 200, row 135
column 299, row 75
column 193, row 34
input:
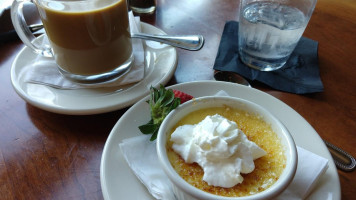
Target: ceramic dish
column 182, row 189
column 161, row 66
column 118, row 181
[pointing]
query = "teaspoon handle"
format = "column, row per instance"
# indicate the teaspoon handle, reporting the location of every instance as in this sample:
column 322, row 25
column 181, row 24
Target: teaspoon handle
column 187, row 42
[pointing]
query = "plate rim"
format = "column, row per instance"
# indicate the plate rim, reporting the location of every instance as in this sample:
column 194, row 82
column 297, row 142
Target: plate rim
column 55, row 108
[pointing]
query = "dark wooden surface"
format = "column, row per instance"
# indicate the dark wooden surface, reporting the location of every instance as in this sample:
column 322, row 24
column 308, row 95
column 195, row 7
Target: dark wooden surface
column 51, row 156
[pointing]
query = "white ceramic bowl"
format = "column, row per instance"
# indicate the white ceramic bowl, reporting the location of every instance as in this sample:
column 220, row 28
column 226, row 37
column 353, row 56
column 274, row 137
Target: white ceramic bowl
column 185, row 191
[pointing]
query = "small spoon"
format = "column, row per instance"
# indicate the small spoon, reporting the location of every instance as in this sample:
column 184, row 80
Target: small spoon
column 231, row 77
column 343, row 160
column 187, row 42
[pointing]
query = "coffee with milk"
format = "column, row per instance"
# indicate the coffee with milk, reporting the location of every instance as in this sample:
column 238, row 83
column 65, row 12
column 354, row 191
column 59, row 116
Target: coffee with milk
column 87, row 37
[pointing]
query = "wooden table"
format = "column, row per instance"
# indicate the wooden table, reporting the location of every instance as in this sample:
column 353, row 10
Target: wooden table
column 45, row 155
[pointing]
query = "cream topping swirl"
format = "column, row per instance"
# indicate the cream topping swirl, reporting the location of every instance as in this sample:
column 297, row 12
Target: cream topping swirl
column 219, row 147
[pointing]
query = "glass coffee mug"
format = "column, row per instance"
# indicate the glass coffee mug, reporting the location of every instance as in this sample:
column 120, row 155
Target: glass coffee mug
column 89, row 39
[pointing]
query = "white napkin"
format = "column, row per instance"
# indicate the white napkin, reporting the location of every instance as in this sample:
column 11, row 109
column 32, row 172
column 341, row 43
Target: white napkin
column 44, row 70
column 141, row 156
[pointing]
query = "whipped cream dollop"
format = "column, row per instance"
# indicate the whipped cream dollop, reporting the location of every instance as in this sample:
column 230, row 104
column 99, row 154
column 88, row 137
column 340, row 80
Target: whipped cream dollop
column 219, row 147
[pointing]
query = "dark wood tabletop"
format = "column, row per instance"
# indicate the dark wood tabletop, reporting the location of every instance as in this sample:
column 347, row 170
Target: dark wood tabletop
column 45, row 155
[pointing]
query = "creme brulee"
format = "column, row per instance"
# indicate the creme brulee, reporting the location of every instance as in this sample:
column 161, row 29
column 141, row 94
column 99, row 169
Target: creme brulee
column 267, row 168
column 87, row 37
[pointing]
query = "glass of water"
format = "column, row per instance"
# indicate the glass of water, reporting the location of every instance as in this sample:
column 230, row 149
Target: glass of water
column 269, row 30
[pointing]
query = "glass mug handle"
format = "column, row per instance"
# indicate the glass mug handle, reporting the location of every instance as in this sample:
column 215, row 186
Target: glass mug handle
column 24, row 33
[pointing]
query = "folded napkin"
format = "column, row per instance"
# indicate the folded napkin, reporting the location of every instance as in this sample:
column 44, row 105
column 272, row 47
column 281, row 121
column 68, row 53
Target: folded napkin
column 44, row 70
column 140, row 154
column 300, row 75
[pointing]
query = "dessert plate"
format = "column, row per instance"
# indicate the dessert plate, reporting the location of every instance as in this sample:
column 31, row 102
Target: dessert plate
column 118, row 182
column 161, row 62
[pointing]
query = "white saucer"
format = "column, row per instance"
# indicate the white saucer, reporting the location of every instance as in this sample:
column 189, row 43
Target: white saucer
column 162, row 62
column 118, row 181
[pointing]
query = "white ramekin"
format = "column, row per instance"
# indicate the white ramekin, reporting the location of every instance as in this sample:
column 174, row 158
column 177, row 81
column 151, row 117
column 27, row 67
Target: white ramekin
column 185, row 191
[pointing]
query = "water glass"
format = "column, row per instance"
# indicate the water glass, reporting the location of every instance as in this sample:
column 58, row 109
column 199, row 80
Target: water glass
column 269, row 30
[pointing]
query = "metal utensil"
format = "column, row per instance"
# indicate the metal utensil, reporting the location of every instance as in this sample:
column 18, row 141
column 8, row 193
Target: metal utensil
column 230, row 77
column 12, row 35
column 343, row 160
column 187, row 42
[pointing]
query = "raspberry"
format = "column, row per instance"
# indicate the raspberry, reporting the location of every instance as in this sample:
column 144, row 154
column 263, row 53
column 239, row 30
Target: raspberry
column 183, row 96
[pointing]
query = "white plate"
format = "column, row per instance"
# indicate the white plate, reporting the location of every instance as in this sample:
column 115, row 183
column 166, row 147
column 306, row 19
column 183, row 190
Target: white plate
column 118, row 182
column 161, row 66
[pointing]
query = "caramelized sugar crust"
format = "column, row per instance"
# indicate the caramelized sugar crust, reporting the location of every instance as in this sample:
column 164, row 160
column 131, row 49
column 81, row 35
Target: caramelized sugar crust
column 267, row 168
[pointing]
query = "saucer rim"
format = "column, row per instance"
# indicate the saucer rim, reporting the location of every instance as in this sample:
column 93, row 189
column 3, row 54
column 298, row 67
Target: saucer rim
column 136, row 91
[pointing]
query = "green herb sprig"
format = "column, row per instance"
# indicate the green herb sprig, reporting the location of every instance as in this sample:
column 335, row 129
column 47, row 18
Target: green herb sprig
column 162, row 102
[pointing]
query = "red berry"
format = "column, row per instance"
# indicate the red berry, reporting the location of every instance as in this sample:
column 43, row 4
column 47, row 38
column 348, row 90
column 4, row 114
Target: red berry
column 183, row 96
